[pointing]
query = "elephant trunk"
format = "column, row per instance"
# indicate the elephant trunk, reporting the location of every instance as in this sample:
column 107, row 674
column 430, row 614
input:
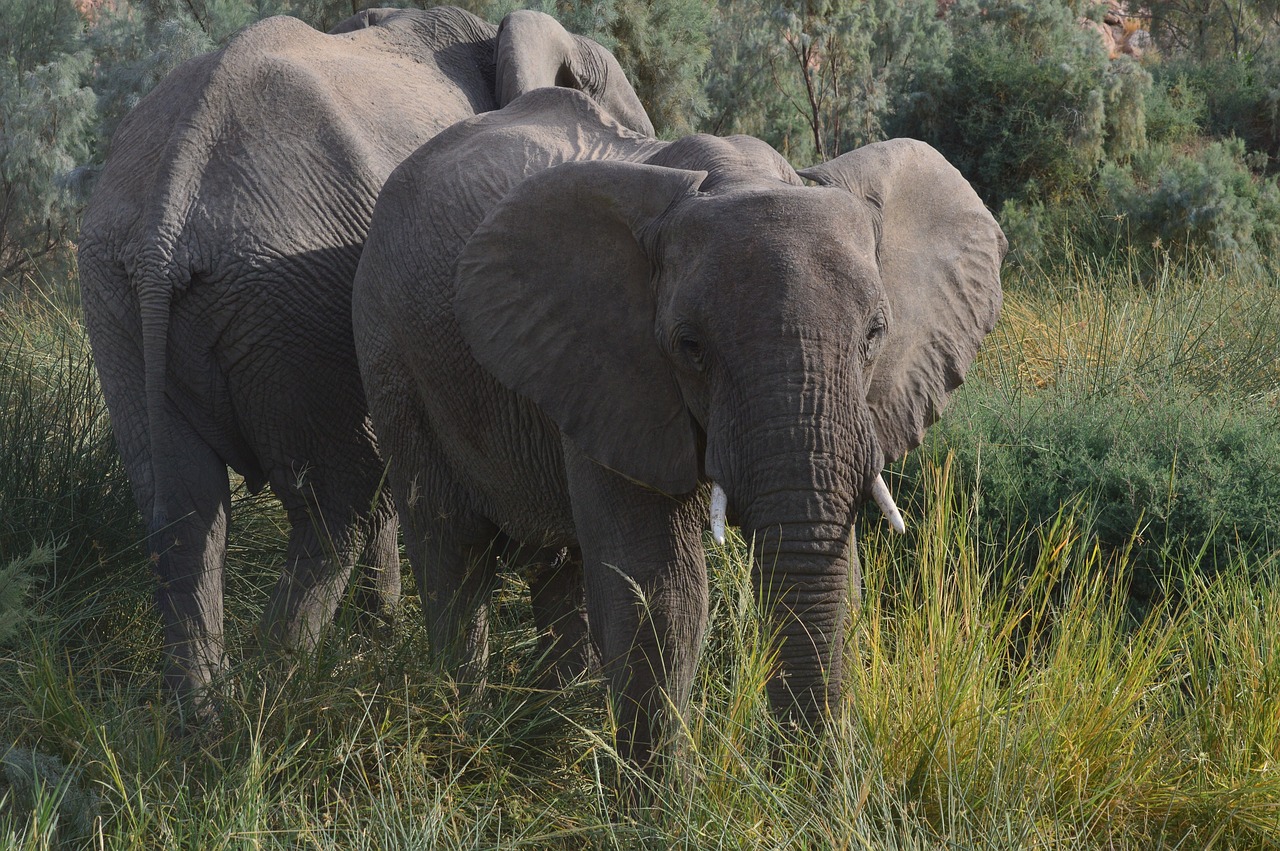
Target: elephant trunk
column 801, row 569
column 796, row 506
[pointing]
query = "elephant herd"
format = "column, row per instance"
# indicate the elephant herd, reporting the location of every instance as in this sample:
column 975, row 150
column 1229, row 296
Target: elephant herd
column 426, row 267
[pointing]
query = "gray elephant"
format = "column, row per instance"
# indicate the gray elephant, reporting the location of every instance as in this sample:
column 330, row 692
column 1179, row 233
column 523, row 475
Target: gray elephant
column 216, row 262
column 581, row 341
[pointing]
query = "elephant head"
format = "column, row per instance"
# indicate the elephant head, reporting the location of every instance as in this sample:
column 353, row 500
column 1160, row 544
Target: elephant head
column 535, row 51
column 783, row 341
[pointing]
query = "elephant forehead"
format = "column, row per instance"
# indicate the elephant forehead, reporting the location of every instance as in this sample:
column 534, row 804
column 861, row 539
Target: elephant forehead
column 779, row 245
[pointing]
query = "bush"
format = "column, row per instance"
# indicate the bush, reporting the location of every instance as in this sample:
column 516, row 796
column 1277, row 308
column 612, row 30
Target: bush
column 46, row 123
column 818, row 79
column 1209, row 199
column 1175, row 110
column 1197, row 479
column 1021, row 109
column 41, row 791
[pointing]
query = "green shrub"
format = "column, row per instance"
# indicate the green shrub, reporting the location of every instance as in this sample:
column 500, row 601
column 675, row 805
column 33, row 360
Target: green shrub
column 1241, row 95
column 46, row 123
column 818, row 79
column 1021, row 109
column 1206, row 200
column 1198, row 480
column 1175, row 110
column 41, row 791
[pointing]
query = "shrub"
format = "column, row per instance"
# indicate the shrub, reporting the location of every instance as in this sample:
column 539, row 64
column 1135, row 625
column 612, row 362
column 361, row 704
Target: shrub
column 42, row 791
column 1021, row 109
column 46, row 121
column 1197, row 479
column 818, row 79
column 1209, row 199
column 1175, row 110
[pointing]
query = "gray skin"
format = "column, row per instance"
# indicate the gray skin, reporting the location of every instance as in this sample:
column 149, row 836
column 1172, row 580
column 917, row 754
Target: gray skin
column 567, row 331
column 216, row 262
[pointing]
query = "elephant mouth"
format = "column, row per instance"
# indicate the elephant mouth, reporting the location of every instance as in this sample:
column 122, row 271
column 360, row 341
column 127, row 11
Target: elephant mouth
column 879, row 493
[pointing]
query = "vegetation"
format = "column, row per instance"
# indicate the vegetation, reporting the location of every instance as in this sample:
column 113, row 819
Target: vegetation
column 1073, row 646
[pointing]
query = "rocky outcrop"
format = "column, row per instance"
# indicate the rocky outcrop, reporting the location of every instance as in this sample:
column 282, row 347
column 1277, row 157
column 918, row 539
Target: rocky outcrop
column 1123, row 32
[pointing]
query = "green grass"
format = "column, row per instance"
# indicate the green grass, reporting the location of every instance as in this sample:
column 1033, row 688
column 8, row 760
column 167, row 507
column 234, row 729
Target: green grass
column 1001, row 692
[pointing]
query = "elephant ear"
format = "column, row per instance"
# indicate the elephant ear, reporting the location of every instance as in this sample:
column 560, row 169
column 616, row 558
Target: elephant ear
column 939, row 251
column 536, row 52
column 555, row 297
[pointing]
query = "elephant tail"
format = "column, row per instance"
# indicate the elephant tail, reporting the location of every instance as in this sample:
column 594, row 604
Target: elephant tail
column 154, row 278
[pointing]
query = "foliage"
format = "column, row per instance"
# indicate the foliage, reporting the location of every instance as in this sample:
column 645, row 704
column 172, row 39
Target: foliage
column 1175, row 110
column 134, row 49
column 1146, row 398
column 46, row 122
column 984, row 707
column 1198, row 482
column 58, row 811
column 1022, row 108
column 1241, row 96
column 662, row 46
column 61, row 479
column 1208, row 199
column 830, row 70
column 1205, row 30
column 1118, row 434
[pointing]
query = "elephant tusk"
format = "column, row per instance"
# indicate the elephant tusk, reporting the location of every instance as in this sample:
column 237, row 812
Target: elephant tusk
column 880, row 492
column 719, row 504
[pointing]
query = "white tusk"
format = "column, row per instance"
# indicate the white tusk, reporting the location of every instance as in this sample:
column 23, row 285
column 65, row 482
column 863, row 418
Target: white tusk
column 719, row 504
column 880, row 493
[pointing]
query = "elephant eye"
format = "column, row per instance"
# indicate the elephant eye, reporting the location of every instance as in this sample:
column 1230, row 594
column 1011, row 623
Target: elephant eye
column 691, row 349
column 875, row 334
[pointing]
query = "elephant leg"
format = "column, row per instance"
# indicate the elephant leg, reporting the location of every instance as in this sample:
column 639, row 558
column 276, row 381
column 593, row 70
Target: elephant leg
column 455, row 582
column 646, row 593
column 187, row 542
column 321, row 554
column 378, row 589
column 555, row 589
column 451, row 547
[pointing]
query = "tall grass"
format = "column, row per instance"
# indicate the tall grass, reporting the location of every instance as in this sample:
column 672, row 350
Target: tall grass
column 985, row 707
column 1149, row 395
column 61, row 481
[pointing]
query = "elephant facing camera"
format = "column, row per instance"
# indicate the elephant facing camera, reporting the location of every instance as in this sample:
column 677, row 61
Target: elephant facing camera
column 578, row 338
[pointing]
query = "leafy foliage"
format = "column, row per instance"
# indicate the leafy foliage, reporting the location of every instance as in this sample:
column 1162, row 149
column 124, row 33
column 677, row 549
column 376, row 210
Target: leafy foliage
column 662, row 45
column 1196, row 481
column 56, row 806
column 1021, row 108
column 46, row 124
column 831, row 71
column 1208, row 199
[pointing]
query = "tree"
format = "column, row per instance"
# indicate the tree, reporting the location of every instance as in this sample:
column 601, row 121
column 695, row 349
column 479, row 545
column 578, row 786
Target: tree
column 1021, row 107
column 838, row 68
column 46, row 124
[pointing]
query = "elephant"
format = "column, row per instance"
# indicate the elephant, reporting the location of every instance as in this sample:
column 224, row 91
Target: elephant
column 585, row 344
column 216, row 261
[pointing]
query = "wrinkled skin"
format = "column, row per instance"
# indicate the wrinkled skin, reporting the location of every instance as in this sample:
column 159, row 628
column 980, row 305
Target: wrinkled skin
column 567, row 331
column 216, row 261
